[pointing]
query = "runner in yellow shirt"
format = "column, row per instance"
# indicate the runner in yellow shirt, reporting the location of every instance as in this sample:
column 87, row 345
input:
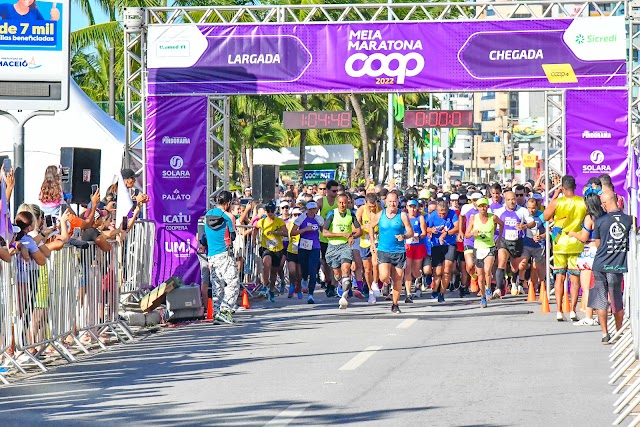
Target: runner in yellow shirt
column 270, row 230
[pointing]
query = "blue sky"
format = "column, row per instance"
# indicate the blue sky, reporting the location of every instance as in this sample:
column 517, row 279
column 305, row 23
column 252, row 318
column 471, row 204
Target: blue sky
column 78, row 20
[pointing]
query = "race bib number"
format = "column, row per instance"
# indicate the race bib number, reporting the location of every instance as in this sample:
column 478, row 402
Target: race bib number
column 272, row 243
column 366, row 239
column 306, row 244
column 511, row 234
column 535, row 232
column 412, row 241
column 294, row 248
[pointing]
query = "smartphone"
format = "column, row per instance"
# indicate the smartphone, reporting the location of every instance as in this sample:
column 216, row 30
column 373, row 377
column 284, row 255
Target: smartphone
column 125, row 220
column 76, row 232
column 48, row 220
column 63, row 208
column 94, row 188
column 6, row 164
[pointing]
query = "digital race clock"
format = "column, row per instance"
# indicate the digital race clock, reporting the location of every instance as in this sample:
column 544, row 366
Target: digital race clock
column 317, row 119
column 438, row 119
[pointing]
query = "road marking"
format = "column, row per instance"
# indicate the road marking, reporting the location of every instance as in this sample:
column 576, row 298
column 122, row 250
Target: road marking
column 406, row 324
column 287, row 416
column 360, row 358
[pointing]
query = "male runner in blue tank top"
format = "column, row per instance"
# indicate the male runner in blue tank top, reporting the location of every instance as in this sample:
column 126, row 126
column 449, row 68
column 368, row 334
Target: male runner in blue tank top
column 393, row 228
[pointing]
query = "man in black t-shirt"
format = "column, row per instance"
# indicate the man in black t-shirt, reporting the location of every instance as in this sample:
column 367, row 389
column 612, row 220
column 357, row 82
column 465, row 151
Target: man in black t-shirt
column 611, row 233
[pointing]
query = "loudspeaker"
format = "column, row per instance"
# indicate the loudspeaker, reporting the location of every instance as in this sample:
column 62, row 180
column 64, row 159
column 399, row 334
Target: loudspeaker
column 80, row 169
column 263, row 182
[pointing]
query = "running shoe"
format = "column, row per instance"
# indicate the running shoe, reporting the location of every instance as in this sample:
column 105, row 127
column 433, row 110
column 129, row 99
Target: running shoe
column 440, row 297
column 585, row 322
column 331, row 291
column 573, row 316
column 310, row 300
column 560, row 316
column 376, row 290
column 290, row 295
column 408, row 300
column 385, row 290
column 488, row 292
column 343, row 304
column 434, row 294
column 339, row 289
column 606, row 340
column 300, row 295
column 272, row 296
column 225, row 317
column 497, row 294
column 461, row 289
column 357, row 294
column 483, row 302
column 292, row 288
column 417, row 293
column 372, row 299
column 263, row 293
column 395, row 309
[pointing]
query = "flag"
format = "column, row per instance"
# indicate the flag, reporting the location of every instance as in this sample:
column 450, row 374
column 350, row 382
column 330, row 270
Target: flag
column 398, row 107
column 124, row 205
column 436, row 138
column 453, row 132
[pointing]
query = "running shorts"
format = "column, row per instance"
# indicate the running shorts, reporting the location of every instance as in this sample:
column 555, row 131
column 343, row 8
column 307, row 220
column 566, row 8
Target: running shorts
column 606, row 284
column 276, row 257
column 440, row 254
column 397, row 260
column 416, row 251
column 338, row 255
column 515, row 247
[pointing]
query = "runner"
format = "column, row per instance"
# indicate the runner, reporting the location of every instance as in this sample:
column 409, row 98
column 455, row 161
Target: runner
column 443, row 226
column 270, row 230
column 307, row 227
column 534, row 245
column 394, row 228
column 497, row 201
column 327, row 204
column 415, row 247
column 369, row 260
column 285, row 214
column 516, row 220
column 466, row 212
column 482, row 227
column 341, row 228
column 293, row 263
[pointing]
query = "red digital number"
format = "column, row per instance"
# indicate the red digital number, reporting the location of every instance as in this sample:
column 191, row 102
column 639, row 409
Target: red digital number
column 345, row 120
column 312, row 118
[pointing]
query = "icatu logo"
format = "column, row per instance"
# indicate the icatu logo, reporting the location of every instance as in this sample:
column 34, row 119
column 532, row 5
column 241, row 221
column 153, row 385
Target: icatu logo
column 391, row 65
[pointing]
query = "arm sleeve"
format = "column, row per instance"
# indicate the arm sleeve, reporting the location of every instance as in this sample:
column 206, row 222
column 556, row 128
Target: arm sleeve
column 355, row 221
column 319, row 220
column 299, row 220
column 232, row 229
column 327, row 223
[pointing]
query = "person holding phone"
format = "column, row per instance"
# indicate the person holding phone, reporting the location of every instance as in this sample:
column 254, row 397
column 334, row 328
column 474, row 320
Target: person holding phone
column 51, row 196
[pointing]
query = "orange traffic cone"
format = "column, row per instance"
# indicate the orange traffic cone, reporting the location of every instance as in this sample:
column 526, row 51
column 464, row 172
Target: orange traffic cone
column 474, row 284
column 532, row 293
column 566, row 307
column 245, row 299
column 210, row 312
column 544, row 300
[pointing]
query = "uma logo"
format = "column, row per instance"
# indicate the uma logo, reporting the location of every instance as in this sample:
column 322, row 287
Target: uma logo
column 596, row 157
column 178, row 249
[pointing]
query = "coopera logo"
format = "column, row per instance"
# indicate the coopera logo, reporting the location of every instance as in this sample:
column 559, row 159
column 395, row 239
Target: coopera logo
column 378, row 64
column 596, row 157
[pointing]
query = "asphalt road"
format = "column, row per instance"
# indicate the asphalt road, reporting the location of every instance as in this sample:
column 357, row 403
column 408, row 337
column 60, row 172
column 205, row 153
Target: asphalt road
column 289, row 363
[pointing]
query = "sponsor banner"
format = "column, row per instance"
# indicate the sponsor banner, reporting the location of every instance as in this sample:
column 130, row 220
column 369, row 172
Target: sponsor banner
column 388, row 57
column 315, row 177
column 176, row 182
column 597, row 136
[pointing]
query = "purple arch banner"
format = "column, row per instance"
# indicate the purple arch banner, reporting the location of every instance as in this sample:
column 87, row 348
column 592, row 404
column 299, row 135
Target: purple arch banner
column 387, row 57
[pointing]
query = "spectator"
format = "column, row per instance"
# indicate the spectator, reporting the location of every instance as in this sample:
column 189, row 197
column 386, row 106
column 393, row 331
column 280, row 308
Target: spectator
column 51, row 196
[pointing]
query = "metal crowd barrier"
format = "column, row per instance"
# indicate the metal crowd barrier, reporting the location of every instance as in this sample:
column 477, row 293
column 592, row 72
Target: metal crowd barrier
column 138, row 258
column 249, row 261
column 71, row 301
column 624, row 355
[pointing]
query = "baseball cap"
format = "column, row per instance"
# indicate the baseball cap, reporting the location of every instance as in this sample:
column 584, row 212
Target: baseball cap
column 482, row 201
column 476, row 196
column 296, row 211
column 128, row 173
column 359, row 201
column 270, row 207
column 312, row 205
column 412, row 202
column 455, row 196
column 538, row 196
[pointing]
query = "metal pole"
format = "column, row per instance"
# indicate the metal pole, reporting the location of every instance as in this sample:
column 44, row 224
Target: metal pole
column 18, row 151
column 390, row 120
column 430, row 144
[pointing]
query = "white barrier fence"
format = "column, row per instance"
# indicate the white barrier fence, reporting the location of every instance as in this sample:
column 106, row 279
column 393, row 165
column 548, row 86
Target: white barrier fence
column 70, row 302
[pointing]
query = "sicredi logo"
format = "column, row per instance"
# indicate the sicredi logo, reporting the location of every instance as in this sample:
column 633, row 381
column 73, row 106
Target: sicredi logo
column 592, row 38
column 596, row 157
column 181, row 140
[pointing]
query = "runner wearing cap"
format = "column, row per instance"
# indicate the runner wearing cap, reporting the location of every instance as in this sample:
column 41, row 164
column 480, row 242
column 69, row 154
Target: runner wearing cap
column 358, row 262
column 285, row 214
column 327, row 204
column 443, row 226
column 308, row 226
column 341, row 228
column 292, row 256
column 369, row 260
column 466, row 213
column 482, row 227
column 270, row 231
column 459, row 269
column 415, row 247
column 394, row 228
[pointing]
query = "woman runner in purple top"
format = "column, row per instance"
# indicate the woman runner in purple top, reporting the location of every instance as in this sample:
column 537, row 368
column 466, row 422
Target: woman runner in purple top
column 308, row 226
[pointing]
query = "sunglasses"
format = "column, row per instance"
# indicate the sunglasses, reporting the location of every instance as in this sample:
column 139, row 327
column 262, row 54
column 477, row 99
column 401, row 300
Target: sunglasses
column 322, row 188
column 519, row 195
column 285, row 207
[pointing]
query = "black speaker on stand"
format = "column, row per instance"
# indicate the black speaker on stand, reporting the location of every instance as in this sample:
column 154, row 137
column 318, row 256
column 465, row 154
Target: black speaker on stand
column 263, row 182
column 80, row 169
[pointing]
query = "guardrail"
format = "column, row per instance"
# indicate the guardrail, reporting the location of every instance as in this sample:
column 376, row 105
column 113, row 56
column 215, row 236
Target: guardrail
column 69, row 302
column 624, row 356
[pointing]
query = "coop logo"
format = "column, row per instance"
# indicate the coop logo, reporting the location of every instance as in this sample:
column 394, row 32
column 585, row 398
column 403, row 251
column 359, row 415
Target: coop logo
column 179, row 222
column 176, row 172
column 176, row 195
column 180, row 249
column 597, row 165
column 378, row 57
column 596, row 134
column 180, row 140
